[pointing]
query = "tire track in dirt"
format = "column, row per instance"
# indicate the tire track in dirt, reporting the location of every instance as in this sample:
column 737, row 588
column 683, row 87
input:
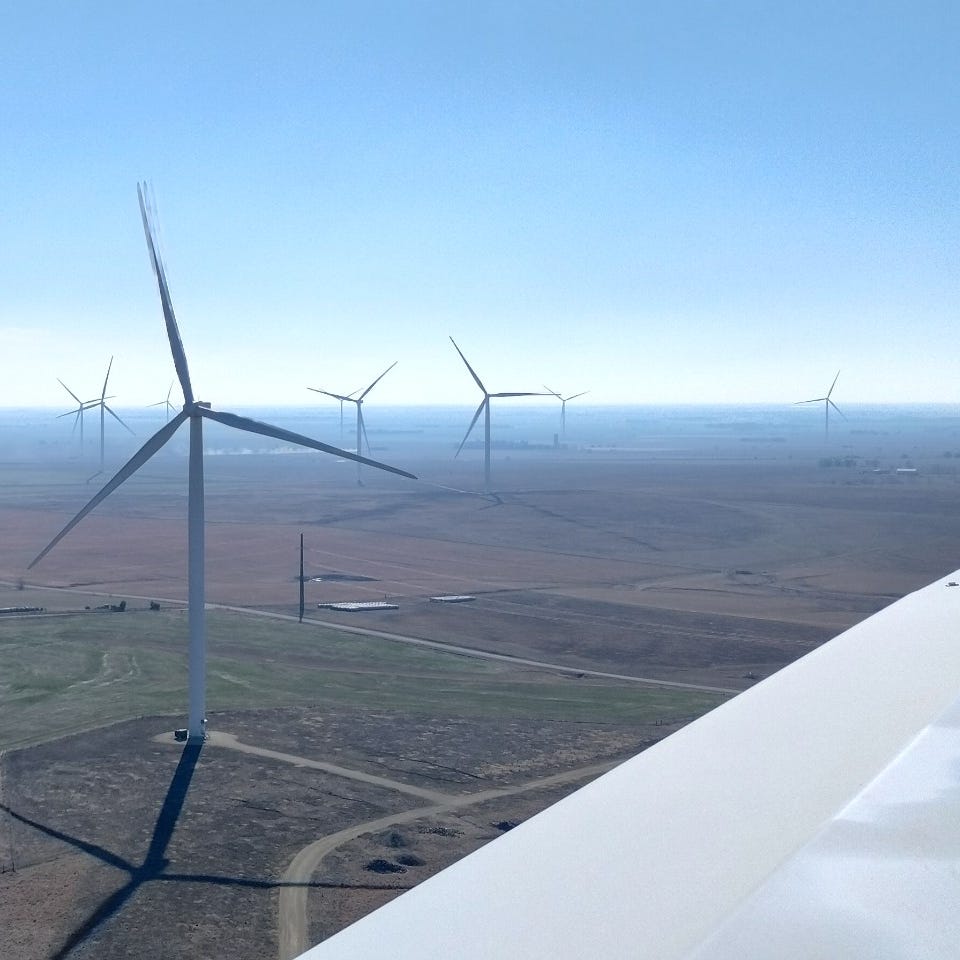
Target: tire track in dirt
column 292, row 909
column 292, row 921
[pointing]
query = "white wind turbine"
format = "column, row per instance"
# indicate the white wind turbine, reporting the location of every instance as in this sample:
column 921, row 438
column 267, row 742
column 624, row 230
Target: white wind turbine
column 166, row 404
column 485, row 409
column 195, row 411
column 337, row 396
column 77, row 414
column 350, row 398
column 563, row 406
column 827, row 404
column 101, row 402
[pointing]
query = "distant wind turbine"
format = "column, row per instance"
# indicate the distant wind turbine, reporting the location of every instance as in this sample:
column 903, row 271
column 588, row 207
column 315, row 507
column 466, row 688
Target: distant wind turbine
column 827, row 404
column 563, row 406
column 343, row 398
column 77, row 414
column 166, row 403
column 350, row 398
column 101, row 402
column 484, row 408
column 195, row 412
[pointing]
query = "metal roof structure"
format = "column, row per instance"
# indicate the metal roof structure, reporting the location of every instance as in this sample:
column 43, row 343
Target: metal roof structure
column 359, row 606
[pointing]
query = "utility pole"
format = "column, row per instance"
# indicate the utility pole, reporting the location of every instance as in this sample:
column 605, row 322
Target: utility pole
column 301, row 578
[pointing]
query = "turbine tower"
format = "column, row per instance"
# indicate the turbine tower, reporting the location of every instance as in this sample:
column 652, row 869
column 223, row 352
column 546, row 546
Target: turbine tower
column 165, row 403
column 827, row 404
column 101, row 402
column 563, row 406
column 484, row 408
column 350, row 398
column 195, row 412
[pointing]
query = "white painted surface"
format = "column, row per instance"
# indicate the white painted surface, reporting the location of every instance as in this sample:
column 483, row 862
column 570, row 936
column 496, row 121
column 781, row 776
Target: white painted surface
column 813, row 816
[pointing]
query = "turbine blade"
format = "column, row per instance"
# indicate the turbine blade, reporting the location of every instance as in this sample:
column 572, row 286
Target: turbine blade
column 832, row 385
column 72, row 394
column 553, row 392
column 375, row 382
column 173, row 332
column 473, row 373
column 835, row 407
column 103, row 392
column 574, row 397
column 816, row 400
column 266, row 430
column 115, row 417
column 69, row 413
column 327, row 393
column 126, row 471
column 473, row 423
column 170, row 391
column 518, row 394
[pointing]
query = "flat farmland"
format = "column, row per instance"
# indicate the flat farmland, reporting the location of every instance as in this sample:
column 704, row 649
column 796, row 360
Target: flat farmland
column 353, row 755
column 698, row 570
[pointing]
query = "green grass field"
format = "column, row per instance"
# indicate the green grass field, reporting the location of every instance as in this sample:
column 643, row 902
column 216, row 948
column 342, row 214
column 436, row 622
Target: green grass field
column 66, row 673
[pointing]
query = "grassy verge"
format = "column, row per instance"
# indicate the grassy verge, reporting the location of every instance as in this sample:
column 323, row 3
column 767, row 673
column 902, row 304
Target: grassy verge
column 67, row 673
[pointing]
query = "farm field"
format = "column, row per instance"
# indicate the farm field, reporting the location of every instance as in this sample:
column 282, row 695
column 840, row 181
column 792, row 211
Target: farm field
column 618, row 594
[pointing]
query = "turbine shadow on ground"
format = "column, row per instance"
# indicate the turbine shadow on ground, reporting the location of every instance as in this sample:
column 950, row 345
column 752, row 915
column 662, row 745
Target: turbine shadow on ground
column 155, row 862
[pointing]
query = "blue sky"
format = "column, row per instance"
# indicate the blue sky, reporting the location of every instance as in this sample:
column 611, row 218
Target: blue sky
column 658, row 202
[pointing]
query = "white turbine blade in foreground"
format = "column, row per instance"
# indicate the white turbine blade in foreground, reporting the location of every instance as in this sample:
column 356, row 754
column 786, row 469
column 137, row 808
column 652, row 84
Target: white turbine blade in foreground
column 375, row 382
column 812, row 816
column 266, row 430
column 127, row 470
column 473, row 423
column 473, row 374
column 173, row 332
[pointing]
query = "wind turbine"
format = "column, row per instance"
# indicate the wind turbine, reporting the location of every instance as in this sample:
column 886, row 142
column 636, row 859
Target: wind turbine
column 195, row 412
column 484, row 408
column 827, row 404
column 101, row 402
column 342, row 398
column 350, row 398
column 165, row 403
column 563, row 406
column 77, row 414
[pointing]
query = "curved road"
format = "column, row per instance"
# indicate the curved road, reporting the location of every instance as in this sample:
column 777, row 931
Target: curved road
column 292, row 919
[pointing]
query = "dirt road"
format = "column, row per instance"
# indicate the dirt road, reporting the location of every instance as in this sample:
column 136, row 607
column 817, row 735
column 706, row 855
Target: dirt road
column 292, row 925
column 450, row 648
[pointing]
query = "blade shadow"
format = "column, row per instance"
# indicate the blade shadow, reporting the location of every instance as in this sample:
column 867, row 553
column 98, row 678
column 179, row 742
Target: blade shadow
column 155, row 861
